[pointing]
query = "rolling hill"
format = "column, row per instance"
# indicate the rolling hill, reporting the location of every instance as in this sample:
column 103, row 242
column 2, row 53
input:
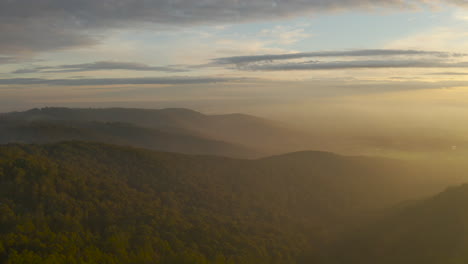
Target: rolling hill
column 19, row 131
column 94, row 203
column 261, row 135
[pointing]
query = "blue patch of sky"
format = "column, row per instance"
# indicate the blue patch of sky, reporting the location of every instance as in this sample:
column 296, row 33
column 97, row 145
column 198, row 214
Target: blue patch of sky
column 335, row 30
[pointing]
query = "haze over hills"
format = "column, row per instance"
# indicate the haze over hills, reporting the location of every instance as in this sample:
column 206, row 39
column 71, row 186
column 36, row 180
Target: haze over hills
column 89, row 202
column 432, row 231
column 116, row 133
column 233, row 135
column 244, row 132
column 94, row 203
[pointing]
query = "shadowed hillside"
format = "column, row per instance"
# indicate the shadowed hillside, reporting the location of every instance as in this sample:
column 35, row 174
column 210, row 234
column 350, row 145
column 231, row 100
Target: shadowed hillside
column 19, row 131
column 259, row 134
column 432, row 231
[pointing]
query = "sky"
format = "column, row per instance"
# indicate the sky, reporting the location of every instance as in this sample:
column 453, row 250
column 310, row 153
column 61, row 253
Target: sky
column 406, row 60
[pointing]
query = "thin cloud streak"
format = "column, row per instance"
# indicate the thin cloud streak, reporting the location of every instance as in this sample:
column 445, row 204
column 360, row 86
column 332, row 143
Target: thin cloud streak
column 8, row 60
column 341, row 65
column 322, row 54
column 449, row 73
column 120, row 81
column 98, row 66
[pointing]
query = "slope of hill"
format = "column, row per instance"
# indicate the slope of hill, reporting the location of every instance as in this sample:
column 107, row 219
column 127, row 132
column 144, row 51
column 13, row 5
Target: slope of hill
column 116, row 133
column 256, row 133
column 94, row 203
column 432, row 231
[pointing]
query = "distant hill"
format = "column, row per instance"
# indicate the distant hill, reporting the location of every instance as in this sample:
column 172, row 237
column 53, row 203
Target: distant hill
column 94, row 203
column 432, row 231
column 22, row 131
column 255, row 133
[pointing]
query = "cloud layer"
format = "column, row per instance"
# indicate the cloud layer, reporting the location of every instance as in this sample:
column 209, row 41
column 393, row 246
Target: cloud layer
column 118, row 81
column 28, row 26
column 324, row 60
column 239, row 60
column 97, row 66
column 341, row 65
column 352, row 59
column 7, row 60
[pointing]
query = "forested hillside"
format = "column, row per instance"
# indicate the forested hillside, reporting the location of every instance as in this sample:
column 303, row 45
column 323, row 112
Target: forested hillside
column 431, row 231
column 94, row 203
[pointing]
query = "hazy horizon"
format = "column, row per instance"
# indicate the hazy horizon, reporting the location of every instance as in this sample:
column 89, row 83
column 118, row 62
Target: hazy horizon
column 373, row 72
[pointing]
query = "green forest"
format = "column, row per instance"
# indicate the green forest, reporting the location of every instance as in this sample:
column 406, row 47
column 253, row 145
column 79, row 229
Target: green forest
column 85, row 203
column 82, row 202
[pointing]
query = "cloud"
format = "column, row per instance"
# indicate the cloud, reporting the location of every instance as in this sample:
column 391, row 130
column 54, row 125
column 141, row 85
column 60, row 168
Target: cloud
column 27, row 70
column 29, row 26
column 100, row 65
column 118, row 81
column 285, row 35
column 7, row 60
column 25, row 36
column 341, row 65
column 239, row 60
column 450, row 38
column 449, row 73
column 348, row 59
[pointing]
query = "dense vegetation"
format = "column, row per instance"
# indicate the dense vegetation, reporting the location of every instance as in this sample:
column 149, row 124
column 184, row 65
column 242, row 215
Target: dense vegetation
column 93, row 203
column 82, row 203
column 431, row 231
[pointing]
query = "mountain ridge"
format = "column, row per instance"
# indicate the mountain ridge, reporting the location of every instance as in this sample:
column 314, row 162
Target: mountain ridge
column 259, row 134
